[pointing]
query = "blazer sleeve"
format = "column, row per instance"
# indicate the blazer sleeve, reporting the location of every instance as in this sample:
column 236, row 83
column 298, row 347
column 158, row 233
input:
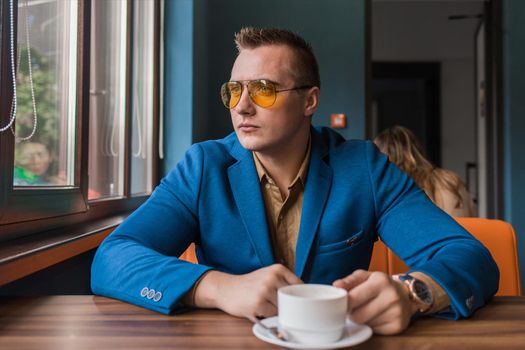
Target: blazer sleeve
column 429, row 240
column 138, row 262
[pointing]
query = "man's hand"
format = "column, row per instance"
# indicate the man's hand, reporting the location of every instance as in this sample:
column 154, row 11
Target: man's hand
column 375, row 299
column 251, row 295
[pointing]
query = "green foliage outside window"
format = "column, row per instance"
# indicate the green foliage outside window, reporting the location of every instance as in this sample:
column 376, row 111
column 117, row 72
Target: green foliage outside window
column 46, row 100
column 45, row 88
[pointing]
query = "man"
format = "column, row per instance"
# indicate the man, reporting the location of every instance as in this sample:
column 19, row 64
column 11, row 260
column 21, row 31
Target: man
column 279, row 202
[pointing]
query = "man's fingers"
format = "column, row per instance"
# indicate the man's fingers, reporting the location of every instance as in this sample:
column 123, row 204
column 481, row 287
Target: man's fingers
column 386, row 316
column 376, row 283
column 264, row 310
column 289, row 277
column 374, row 311
column 279, row 277
column 340, row 284
column 389, row 323
column 351, row 281
column 272, row 294
column 380, row 303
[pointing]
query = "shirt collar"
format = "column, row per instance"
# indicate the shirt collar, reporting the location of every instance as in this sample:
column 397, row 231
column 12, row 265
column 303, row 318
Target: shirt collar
column 301, row 174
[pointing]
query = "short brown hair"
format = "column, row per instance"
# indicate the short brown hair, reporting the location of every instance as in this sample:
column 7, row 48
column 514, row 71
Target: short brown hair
column 306, row 68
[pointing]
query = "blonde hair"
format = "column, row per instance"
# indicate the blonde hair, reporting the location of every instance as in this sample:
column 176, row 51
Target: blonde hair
column 403, row 149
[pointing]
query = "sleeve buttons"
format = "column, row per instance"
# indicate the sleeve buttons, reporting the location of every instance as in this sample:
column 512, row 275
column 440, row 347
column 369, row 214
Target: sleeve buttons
column 151, row 294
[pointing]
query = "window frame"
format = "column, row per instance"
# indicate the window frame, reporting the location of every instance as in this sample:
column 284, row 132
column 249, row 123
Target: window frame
column 25, row 211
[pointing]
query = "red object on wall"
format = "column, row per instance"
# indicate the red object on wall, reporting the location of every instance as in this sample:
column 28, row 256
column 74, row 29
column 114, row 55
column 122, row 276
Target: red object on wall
column 338, row 120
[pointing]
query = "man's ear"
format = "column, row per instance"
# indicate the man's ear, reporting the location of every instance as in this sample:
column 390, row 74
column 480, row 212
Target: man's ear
column 312, row 100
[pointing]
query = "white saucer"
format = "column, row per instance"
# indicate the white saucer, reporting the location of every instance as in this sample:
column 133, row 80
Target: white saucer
column 354, row 334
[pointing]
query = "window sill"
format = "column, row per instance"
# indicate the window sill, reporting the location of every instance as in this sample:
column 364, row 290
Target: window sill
column 24, row 256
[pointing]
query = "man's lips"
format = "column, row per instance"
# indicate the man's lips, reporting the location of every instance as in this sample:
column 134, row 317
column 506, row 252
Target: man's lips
column 248, row 127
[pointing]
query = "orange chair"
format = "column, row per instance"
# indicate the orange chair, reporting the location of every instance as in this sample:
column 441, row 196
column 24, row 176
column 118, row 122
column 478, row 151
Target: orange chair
column 496, row 235
column 499, row 238
column 379, row 261
column 189, row 254
column 379, row 256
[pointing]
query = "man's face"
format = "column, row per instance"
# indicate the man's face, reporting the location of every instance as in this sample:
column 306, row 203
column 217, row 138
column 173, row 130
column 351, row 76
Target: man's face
column 269, row 129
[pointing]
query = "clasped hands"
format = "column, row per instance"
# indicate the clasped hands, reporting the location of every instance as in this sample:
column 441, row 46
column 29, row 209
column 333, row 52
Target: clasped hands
column 374, row 298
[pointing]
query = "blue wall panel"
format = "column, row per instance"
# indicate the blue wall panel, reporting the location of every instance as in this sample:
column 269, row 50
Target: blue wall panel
column 178, row 80
column 514, row 120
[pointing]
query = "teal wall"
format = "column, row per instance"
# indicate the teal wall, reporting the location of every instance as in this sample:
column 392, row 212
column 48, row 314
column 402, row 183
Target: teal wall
column 335, row 28
column 514, row 119
column 178, row 80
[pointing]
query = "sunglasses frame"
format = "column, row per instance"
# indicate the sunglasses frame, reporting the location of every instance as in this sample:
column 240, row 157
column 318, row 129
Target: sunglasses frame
column 266, row 82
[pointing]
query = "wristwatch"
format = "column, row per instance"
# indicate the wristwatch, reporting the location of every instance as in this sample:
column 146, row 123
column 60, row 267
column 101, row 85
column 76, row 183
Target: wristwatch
column 418, row 291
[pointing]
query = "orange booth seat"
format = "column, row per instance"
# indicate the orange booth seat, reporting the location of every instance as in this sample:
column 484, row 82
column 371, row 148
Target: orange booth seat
column 189, row 254
column 496, row 235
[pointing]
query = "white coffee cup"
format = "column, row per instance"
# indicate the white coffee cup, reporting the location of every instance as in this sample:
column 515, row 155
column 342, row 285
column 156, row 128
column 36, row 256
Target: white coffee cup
column 312, row 313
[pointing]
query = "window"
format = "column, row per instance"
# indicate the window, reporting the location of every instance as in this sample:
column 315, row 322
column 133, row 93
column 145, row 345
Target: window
column 82, row 142
column 107, row 114
column 142, row 97
column 46, row 82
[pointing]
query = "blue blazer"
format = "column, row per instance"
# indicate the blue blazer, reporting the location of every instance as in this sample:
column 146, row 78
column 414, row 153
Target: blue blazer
column 352, row 194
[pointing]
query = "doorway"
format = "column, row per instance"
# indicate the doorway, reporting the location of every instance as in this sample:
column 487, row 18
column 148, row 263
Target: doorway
column 407, row 94
column 429, row 52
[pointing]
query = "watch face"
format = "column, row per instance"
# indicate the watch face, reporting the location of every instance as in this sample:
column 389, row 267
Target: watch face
column 423, row 292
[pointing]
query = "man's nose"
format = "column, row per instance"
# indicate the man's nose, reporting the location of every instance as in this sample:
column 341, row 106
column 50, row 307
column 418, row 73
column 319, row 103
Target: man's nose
column 245, row 105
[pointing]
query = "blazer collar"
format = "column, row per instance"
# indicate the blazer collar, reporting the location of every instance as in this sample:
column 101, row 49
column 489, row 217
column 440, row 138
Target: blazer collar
column 317, row 189
column 244, row 183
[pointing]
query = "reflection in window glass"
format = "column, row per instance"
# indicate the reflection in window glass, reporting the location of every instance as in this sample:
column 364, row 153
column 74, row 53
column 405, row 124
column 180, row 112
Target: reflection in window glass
column 142, row 97
column 107, row 104
column 46, row 70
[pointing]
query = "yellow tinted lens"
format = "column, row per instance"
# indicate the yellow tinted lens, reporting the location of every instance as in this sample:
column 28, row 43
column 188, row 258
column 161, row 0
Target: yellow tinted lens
column 231, row 94
column 262, row 92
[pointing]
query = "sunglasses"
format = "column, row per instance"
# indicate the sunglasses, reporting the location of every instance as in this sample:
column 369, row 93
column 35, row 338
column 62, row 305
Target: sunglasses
column 262, row 92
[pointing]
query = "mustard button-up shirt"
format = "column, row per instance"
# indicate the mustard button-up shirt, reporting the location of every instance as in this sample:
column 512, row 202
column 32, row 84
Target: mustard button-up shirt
column 283, row 214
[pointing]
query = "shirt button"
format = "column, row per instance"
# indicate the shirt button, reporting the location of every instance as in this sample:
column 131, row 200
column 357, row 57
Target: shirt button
column 144, row 291
column 151, row 294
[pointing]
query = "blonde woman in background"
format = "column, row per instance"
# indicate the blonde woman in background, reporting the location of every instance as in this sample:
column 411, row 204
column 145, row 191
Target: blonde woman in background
column 444, row 187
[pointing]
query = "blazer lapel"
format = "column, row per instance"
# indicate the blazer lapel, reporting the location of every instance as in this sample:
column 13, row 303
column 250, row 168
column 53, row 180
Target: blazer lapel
column 318, row 183
column 244, row 183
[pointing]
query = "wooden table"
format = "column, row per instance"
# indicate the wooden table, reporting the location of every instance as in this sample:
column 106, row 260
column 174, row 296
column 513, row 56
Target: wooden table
column 91, row 322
